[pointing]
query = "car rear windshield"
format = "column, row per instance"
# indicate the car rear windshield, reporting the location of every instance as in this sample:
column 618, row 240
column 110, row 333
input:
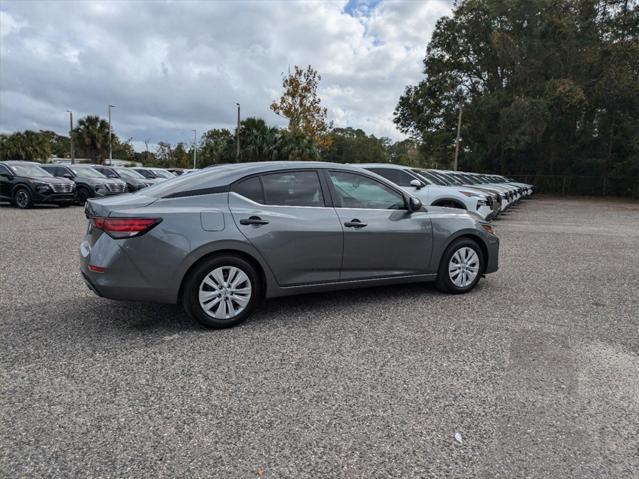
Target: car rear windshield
column 193, row 181
column 33, row 171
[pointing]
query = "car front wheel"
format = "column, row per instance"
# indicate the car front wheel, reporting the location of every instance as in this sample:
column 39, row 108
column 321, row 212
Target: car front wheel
column 82, row 195
column 222, row 291
column 461, row 266
column 22, row 198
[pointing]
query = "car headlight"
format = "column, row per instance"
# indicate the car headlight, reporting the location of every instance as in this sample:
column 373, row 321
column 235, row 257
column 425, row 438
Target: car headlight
column 470, row 193
column 488, row 228
column 42, row 187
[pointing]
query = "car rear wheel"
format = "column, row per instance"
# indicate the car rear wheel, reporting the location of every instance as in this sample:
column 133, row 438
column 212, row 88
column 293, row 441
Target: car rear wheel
column 461, row 267
column 222, row 291
column 22, row 198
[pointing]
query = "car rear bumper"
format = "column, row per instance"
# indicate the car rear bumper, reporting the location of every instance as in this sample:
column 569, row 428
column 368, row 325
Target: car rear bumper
column 119, row 278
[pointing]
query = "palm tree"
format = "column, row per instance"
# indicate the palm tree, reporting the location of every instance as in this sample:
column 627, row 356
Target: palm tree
column 26, row 146
column 258, row 141
column 92, row 135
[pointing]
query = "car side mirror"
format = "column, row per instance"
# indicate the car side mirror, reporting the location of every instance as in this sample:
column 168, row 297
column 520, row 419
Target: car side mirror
column 417, row 184
column 68, row 176
column 7, row 176
column 414, row 204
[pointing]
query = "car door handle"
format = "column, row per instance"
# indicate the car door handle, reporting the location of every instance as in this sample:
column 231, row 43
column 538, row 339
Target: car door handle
column 355, row 223
column 253, row 220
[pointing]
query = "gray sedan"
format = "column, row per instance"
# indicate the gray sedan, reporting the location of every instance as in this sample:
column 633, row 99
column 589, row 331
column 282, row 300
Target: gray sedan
column 220, row 240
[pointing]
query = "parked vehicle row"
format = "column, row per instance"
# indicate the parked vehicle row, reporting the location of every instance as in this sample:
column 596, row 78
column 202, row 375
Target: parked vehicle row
column 245, row 232
column 485, row 195
column 25, row 183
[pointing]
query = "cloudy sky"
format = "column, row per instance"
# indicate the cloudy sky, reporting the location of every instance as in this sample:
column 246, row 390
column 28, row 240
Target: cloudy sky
column 172, row 66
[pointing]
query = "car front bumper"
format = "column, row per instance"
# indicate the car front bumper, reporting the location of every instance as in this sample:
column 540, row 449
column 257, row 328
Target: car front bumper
column 53, row 198
column 492, row 247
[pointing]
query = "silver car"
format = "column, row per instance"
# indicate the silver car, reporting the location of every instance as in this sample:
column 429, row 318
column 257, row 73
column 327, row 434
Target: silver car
column 222, row 239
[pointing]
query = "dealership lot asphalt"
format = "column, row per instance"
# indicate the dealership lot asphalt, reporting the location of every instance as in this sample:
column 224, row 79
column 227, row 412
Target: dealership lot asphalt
column 537, row 369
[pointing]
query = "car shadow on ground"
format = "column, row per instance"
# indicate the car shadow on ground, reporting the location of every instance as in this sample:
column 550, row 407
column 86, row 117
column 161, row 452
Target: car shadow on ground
column 117, row 319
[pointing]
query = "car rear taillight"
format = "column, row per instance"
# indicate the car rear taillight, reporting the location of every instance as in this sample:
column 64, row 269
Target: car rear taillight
column 119, row 228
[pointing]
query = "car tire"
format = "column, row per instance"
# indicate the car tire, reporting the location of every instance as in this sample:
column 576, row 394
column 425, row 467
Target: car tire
column 207, row 297
column 461, row 267
column 82, row 195
column 22, row 198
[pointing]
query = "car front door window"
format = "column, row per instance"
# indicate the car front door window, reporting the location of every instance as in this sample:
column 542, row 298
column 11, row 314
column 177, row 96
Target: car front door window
column 359, row 191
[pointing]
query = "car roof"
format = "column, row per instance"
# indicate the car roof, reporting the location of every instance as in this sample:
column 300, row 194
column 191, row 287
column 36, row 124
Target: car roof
column 381, row 165
column 227, row 174
column 20, row 162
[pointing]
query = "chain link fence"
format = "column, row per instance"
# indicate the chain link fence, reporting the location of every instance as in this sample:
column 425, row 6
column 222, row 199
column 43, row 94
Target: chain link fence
column 583, row 185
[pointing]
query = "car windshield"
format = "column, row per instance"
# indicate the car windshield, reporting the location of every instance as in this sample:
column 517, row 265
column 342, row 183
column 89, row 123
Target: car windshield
column 472, row 180
column 430, row 177
column 86, row 171
column 147, row 173
column 164, row 174
column 33, row 171
column 453, row 179
column 446, row 181
column 129, row 173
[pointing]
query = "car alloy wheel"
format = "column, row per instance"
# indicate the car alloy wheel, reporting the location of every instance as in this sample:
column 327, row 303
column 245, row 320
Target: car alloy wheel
column 225, row 292
column 82, row 195
column 463, row 267
column 22, row 198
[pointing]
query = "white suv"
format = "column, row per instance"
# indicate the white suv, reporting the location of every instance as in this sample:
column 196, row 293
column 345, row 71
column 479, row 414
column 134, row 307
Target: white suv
column 430, row 193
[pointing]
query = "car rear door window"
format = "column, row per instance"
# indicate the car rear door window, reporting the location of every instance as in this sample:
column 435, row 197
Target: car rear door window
column 293, row 188
column 250, row 188
column 359, row 191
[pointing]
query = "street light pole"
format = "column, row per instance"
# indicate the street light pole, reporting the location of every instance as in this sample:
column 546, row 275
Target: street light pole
column 459, row 121
column 71, row 136
column 146, row 143
column 194, row 148
column 110, row 145
column 237, row 135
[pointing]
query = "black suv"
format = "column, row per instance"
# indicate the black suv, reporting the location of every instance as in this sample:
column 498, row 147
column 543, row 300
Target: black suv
column 134, row 180
column 89, row 182
column 25, row 183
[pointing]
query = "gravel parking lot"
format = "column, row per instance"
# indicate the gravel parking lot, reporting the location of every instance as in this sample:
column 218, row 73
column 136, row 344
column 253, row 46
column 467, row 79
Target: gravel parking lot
column 536, row 369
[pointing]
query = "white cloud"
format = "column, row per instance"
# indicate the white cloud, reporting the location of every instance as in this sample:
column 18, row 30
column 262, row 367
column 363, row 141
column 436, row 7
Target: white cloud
column 170, row 67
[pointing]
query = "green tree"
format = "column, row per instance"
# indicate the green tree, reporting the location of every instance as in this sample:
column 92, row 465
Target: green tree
column 122, row 150
column 296, row 147
column 302, row 106
column 25, row 146
column 350, row 145
column 181, row 157
column 91, row 136
column 164, row 156
column 216, row 146
column 258, row 141
column 547, row 86
column 60, row 145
